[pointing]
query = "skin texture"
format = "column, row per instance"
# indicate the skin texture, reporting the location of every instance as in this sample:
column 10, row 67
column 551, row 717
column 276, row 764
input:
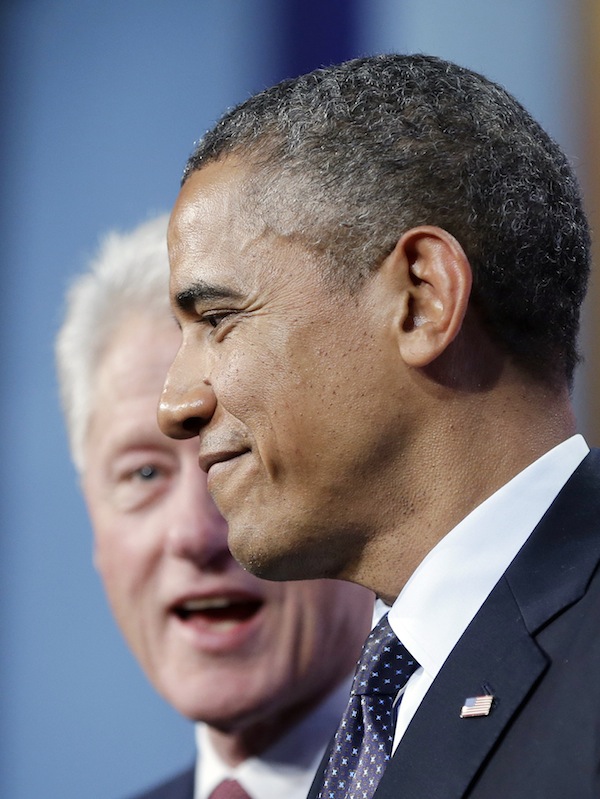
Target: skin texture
column 270, row 371
column 338, row 428
column 251, row 669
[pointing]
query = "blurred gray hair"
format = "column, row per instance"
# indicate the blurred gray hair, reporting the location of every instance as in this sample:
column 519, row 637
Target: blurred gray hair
column 129, row 273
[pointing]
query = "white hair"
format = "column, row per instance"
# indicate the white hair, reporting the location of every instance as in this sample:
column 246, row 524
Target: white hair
column 129, row 273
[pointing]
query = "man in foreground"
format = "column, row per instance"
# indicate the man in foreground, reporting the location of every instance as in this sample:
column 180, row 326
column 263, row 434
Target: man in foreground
column 378, row 270
column 264, row 666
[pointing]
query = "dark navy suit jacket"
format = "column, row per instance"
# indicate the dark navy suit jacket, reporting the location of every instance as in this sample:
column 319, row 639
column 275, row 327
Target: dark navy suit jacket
column 534, row 645
column 179, row 787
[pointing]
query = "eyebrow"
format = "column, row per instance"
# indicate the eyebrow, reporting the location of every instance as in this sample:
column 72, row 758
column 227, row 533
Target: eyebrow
column 203, row 292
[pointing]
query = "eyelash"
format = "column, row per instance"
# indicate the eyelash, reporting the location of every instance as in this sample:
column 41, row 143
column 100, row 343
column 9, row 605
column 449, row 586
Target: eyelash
column 214, row 318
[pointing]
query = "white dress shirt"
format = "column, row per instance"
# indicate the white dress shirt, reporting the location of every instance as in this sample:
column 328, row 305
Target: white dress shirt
column 453, row 581
column 286, row 769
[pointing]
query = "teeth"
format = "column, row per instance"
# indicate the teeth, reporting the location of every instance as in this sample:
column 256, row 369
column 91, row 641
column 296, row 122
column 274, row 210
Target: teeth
column 195, row 605
column 221, row 612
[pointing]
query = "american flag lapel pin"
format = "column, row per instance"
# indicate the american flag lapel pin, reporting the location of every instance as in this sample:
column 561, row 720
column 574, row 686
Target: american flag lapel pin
column 477, row 706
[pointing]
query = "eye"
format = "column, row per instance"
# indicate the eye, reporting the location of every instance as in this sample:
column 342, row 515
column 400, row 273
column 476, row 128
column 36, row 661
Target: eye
column 146, row 472
column 142, row 486
column 214, row 318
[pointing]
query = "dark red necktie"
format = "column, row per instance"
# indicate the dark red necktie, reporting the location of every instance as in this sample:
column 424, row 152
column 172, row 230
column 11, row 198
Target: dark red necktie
column 229, row 789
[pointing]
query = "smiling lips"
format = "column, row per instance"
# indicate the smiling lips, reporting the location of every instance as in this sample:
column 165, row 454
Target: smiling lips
column 213, row 458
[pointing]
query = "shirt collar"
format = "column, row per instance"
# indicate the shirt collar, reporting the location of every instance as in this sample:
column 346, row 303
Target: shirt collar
column 449, row 586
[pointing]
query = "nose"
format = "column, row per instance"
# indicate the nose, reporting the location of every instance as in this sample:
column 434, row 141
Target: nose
column 187, row 402
column 197, row 532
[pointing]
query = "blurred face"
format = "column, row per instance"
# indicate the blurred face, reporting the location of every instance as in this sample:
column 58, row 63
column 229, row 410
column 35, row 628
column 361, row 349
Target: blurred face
column 217, row 643
column 286, row 380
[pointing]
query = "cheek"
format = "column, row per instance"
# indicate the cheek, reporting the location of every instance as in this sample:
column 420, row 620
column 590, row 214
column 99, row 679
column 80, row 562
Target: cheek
column 124, row 569
column 241, row 381
column 124, row 561
column 263, row 364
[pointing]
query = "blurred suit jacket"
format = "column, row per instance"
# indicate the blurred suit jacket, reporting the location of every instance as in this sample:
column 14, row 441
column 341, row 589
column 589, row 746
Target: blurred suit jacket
column 535, row 646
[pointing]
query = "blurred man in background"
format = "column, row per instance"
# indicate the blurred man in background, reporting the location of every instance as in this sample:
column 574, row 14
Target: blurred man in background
column 262, row 667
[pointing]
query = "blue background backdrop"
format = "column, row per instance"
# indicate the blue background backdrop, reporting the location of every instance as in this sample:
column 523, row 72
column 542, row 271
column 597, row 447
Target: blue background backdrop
column 101, row 103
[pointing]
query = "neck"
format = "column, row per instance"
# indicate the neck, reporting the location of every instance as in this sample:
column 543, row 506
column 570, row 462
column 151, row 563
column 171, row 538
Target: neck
column 467, row 448
column 238, row 741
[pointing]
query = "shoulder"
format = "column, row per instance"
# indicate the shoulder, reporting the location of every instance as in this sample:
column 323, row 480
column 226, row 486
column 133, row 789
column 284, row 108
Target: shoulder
column 181, row 786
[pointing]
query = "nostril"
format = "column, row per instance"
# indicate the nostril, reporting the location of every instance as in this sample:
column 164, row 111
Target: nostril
column 192, row 425
column 177, row 424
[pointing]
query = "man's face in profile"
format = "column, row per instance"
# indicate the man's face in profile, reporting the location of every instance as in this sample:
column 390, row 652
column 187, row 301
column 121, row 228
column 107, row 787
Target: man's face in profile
column 217, row 643
column 283, row 375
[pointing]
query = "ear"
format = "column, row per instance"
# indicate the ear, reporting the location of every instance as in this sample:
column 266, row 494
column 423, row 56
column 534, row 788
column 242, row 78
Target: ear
column 431, row 270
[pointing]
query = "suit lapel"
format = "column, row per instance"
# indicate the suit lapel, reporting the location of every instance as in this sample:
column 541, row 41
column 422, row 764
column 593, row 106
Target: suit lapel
column 556, row 564
column 441, row 753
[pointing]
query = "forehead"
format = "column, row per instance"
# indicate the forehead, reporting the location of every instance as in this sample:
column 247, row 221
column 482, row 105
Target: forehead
column 207, row 223
column 127, row 383
column 138, row 356
column 224, row 245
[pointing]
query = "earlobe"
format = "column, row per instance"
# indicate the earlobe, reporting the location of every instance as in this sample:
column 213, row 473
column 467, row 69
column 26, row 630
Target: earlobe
column 436, row 278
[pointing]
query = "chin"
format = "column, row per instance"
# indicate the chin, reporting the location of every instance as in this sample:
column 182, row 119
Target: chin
column 185, row 692
column 276, row 566
column 193, row 709
column 226, row 714
column 279, row 551
column 224, row 703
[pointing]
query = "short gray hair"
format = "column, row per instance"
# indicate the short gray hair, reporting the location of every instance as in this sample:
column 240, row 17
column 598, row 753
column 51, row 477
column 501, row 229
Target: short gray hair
column 351, row 156
column 129, row 273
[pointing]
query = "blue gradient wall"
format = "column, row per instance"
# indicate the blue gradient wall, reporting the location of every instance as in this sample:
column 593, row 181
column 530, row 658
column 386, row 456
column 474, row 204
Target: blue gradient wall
column 102, row 104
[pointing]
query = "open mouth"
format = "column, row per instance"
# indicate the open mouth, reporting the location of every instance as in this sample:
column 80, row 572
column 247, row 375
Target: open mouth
column 218, row 610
